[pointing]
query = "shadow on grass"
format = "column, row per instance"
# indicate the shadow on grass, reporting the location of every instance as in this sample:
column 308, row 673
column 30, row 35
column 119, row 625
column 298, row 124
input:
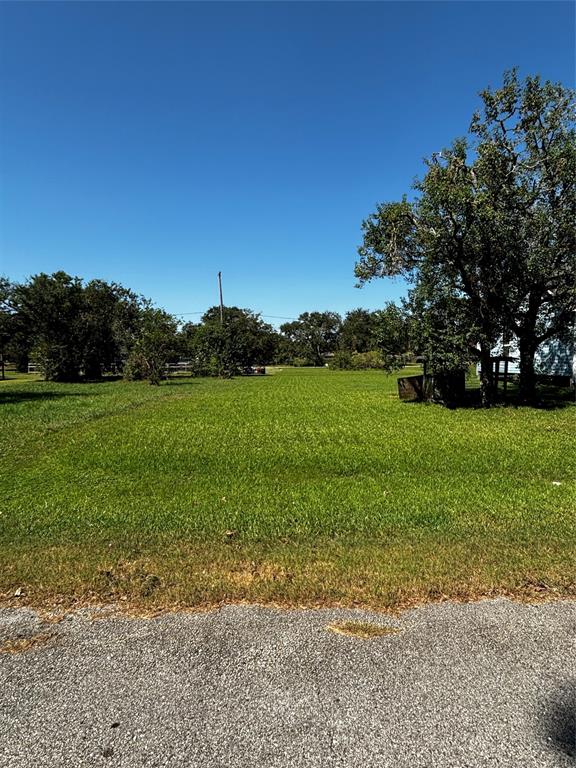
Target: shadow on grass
column 11, row 398
column 9, row 395
column 18, row 395
column 548, row 398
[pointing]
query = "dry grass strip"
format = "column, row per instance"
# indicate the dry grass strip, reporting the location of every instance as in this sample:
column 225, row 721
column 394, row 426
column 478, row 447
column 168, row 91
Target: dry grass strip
column 363, row 629
column 21, row 644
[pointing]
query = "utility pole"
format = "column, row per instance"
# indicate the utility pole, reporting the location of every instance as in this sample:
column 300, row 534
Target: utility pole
column 221, row 302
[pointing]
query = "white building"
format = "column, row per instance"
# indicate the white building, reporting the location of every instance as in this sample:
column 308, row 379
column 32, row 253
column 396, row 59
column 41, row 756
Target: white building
column 553, row 357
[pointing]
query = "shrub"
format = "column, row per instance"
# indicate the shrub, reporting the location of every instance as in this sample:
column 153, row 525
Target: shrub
column 342, row 360
column 362, row 361
column 302, row 362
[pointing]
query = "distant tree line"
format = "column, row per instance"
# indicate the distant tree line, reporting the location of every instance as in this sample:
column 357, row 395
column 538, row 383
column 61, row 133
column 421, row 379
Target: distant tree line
column 72, row 330
column 362, row 339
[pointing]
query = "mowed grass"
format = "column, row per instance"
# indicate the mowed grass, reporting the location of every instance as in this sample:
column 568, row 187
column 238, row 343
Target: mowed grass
column 301, row 487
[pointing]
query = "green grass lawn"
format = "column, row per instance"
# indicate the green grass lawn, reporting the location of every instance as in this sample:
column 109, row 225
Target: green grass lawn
column 302, row 487
column 11, row 375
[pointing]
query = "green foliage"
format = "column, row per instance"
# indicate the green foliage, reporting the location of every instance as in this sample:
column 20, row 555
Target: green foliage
column 357, row 333
column 110, row 322
column 313, row 335
column 283, row 351
column 15, row 342
column 341, row 360
column 225, row 349
column 5, row 316
column 51, row 307
column 375, row 360
column 391, row 246
column 364, row 361
column 443, row 327
column 154, row 346
column 492, row 223
column 526, row 146
column 303, row 362
column 384, row 336
column 392, row 335
column 69, row 328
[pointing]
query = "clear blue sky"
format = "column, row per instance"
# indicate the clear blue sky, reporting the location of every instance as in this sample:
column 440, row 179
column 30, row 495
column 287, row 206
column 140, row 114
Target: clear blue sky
column 156, row 143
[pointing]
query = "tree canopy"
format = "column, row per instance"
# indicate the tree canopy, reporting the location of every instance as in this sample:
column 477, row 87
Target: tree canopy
column 357, row 332
column 225, row 348
column 314, row 334
column 155, row 343
column 69, row 328
column 490, row 232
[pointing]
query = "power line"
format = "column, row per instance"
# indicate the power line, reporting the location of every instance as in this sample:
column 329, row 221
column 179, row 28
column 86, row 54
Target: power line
column 271, row 317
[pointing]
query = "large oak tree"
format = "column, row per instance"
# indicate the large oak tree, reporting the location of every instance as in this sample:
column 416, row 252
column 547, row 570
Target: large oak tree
column 493, row 221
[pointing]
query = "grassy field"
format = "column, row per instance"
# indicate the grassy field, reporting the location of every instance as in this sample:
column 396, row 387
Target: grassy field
column 301, row 487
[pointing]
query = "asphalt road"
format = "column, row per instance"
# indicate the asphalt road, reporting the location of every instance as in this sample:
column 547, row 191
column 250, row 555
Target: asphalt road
column 485, row 684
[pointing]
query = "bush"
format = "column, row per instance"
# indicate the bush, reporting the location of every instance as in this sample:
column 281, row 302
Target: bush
column 357, row 361
column 302, row 362
column 363, row 361
column 135, row 367
column 58, row 361
column 342, row 361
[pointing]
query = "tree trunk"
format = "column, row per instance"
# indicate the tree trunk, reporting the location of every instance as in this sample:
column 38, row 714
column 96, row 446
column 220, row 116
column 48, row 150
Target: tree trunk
column 527, row 388
column 487, row 390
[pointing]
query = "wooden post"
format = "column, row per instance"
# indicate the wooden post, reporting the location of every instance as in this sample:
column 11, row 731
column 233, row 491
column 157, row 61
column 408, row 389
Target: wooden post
column 505, row 376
